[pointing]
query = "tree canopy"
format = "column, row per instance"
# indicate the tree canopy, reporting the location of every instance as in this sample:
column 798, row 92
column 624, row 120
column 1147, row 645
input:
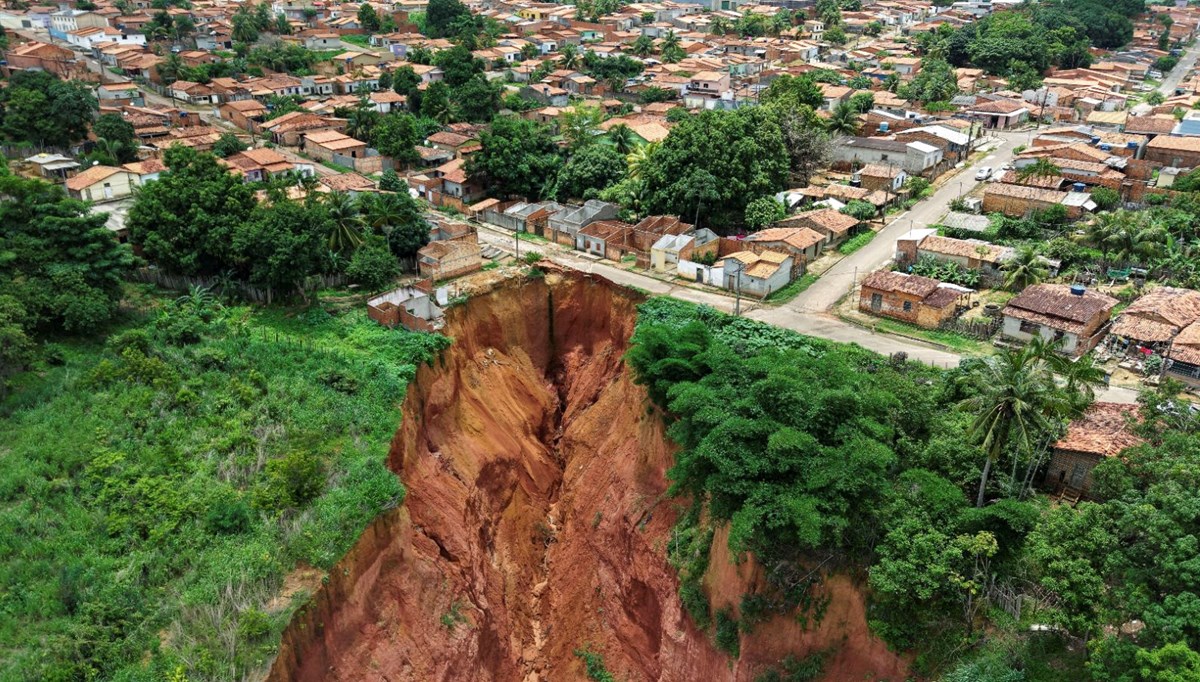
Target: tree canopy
column 40, row 109
column 517, row 158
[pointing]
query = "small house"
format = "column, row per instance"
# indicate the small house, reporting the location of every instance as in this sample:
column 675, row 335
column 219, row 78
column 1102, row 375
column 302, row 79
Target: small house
column 1152, row 321
column 1072, row 316
column 102, row 183
column 909, row 298
column 445, row 259
column 755, row 274
column 412, row 307
column 1103, row 431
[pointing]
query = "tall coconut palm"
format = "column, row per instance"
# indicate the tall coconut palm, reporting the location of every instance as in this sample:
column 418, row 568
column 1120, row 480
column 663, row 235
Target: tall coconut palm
column 1015, row 397
column 568, row 56
column 639, row 159
column 1026, row 267
column 1042, row 168
column 669, row 42
column 622, row 138
column 643, row 46
column 843, row 121
column 347, row 224
column 719, row 26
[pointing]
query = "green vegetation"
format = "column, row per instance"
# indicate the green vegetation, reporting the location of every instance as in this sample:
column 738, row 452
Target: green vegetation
column 38, row 109
column 198, row 456
column 809, row 450
column 792, row 290
column 953, row 341
column 593, row 664
column 856, row 242
column 454, row 617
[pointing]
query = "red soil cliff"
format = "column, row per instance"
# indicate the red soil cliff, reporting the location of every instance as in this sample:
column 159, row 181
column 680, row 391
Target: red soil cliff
column 536, row 523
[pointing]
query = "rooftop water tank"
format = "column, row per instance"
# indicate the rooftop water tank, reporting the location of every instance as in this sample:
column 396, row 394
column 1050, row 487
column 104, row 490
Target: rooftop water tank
column 1131, row 145
column 1078, row 289
column 1079, row 187
column 1095, row 139
column 1106, row 147
column 883, row 127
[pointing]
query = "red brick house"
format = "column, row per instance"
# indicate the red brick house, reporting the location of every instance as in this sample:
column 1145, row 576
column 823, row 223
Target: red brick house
column 1103, row 431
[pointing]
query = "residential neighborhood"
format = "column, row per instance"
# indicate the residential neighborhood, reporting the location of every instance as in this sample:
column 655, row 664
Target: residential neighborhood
column 519, row 340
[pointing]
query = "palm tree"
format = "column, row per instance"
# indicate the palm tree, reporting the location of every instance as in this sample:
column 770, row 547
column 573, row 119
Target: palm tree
column 622, row 138
column 171, row 68
column 639, row 159
column 1015, row 396
column 362, row 121
column 719, row 26
column 843, row 121
column 669, row 42
column 347, row 224
column 1127, row 234
column 1042, row 168
column 1026, row 267
column 643, row 46
column 529, row 51
column 569, row 56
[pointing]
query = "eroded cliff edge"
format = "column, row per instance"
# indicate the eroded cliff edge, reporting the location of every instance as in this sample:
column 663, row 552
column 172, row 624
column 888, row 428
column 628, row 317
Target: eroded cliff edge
column 536, row 522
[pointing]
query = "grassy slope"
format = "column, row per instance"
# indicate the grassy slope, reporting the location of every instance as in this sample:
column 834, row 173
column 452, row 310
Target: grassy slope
column 116, row 473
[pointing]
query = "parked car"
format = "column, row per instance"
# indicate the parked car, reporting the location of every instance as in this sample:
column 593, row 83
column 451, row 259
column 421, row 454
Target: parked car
column 983, row 173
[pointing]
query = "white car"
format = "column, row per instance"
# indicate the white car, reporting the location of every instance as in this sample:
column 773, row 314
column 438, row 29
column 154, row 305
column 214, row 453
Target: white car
column 983, row 173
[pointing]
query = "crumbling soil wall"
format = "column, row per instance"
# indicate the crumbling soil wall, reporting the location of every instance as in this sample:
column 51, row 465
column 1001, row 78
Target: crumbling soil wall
column 536, row 522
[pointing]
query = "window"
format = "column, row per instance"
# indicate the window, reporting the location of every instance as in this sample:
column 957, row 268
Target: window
column 908, row 306
column 883, row 157
column 1028, row 327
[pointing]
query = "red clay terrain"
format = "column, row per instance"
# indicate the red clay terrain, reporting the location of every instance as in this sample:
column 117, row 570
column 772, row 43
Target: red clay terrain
column 536, row 523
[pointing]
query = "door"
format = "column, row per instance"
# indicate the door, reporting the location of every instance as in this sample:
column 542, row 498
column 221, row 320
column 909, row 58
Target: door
column 108, row 191
column 876, row 302
column 1079, row 472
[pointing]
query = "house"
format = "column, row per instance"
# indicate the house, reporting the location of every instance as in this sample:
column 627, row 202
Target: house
column 351, row 183
column 1154, row 320
column 999, row 113
column 246, row 114
column 565, row 224
column 708, row 83
column 755, row 274
column 1103, row 431
column 330, row 145
column 670, row 249
column 258, row 165
column 834, row 225
column 1072, row 316
column 442, row 260
column 886, row 177
column 970, row 254
column 522, row 216
column 37, row 56
column 916, row 158
column 102, row 183
column 909, row 298
column 594, row 238
column 412, row 307
column 1018, row 201
column 147, row 170
column 803, row 243
column 1180, row 152
column 54, row 167
column 1183, row 357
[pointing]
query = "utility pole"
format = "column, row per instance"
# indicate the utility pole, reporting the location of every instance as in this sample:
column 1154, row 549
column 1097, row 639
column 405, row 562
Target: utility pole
column 737, row 299
column 517, row 242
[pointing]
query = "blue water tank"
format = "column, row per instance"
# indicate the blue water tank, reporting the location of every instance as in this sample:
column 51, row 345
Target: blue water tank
column 1078, row 289
column 1106, row 147
column 1131, row 145
column 1095, row 139
column 883, row 127
column 1079, row 187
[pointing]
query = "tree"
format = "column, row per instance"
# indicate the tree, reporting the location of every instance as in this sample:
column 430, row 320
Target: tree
column 435, row 103
column 588, row 171
column 441, row 15
column 362, row 121
column 790, row 92
column 186, row 220
column 835, row 35
column 568, row 56
column 373, row 266
column 391, row 182
column 1155, row 98
column 397, row 135
column 228, row 145
column 1015, row 395
column 517, row 158
column 1022, row 76
column 1042, row 168
column 862, row 102
column 622, row 137
column 844, row 120
column 639, row 158
column 282, row 244
column 345, row 223
column 16, row 347
column 742, row 151
column 282, row 26
column 935, row 82
column 368, row 18
column 643, row 46
column 397, row 217
column 807, row 144
column 244, row 29
column 860, row 210
column 39, row 109
column 1025, row 268
column 477, row 100
column 458, row 65
column 120, row 135
column 763, row 211
column 1106, row 199
column 58, row 261
column 581, row 125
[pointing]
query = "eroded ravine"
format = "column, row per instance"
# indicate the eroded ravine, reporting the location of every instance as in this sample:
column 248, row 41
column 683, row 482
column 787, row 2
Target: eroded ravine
column 535, row 522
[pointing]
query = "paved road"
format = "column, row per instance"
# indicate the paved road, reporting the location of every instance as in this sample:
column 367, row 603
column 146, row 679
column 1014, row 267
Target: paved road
column 1172, row 79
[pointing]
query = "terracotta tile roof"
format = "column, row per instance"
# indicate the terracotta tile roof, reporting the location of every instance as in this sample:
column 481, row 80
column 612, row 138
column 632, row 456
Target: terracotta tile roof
column 823, row 218
column 91, row 176
column 1102, row 430
column 1055, row 306
column 901, row 283
column 799, row 238
column 1186, row 346
column 347, row 181
column 1159, row 315
column 965, row 248
column 1022, row 192
column 1182, row 144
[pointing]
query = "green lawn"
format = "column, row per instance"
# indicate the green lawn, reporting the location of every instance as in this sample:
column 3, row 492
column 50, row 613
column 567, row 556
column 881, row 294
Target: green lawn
column 169, row 479
column 951, row 340
column 531, row 237
column 337, row 167
column 792, row 290
column 856, row 242
column 360, row 40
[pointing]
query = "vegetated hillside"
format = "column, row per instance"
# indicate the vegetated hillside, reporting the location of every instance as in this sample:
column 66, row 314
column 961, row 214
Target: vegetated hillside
column 801, row 452
column 533, row 541
column 156, row 491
